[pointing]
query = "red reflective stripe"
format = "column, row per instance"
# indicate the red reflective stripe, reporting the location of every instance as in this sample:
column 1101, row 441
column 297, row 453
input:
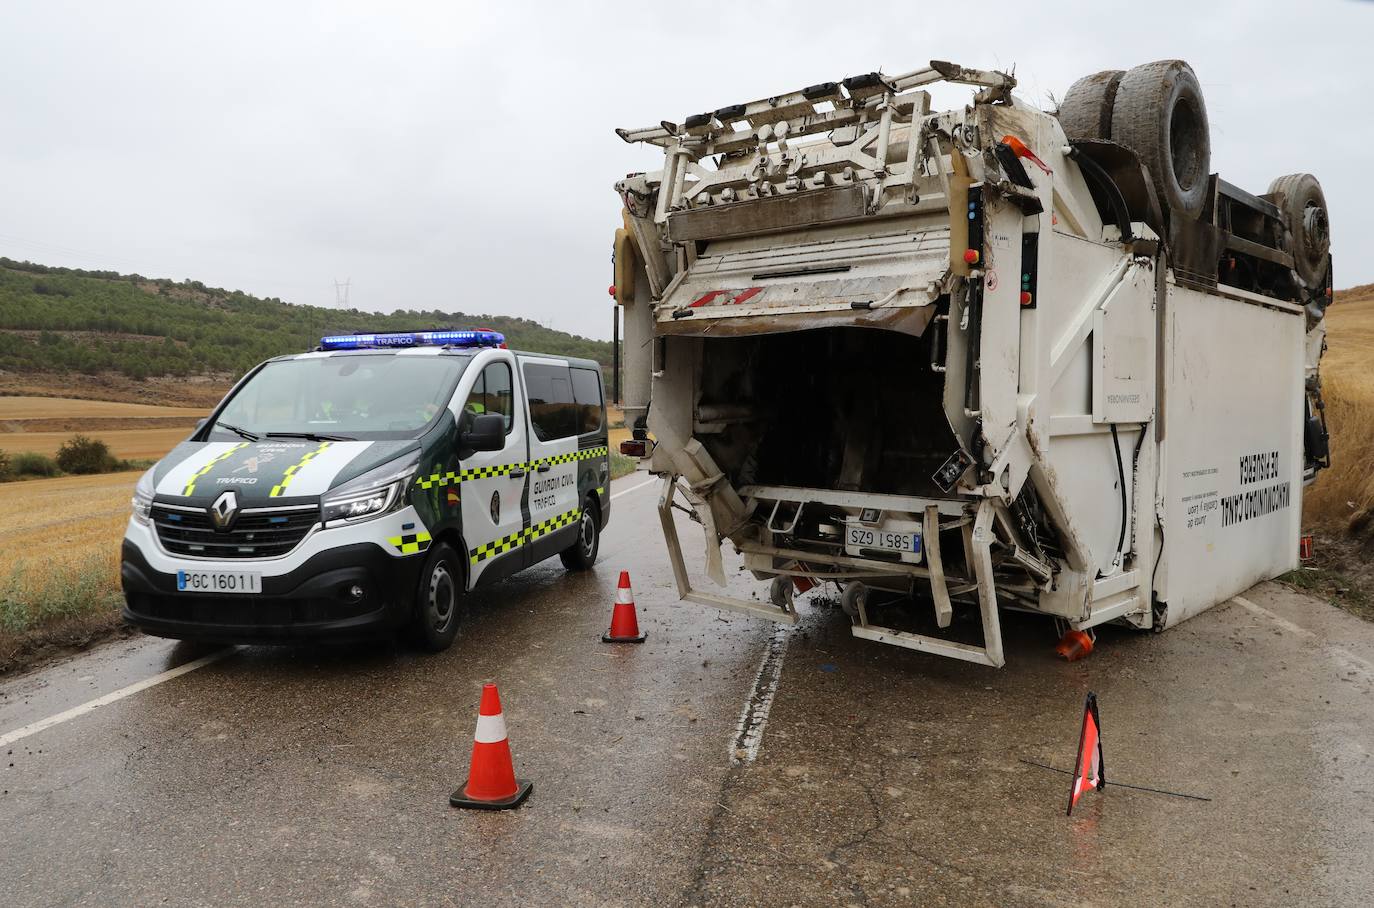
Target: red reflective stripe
column 704, row 299
column 745, row 295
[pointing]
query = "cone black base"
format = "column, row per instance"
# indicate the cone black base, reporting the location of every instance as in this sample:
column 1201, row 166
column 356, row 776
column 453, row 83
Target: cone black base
column 522, row 791
column 607, row 638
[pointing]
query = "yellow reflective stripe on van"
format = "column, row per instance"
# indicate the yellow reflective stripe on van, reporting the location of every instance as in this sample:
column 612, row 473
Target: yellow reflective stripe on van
column 497, row 547
column 410, row 543
column 429, row 482
column 191, row 483
column 505, row 469
column 553, row 523
column 584, row 454
column 295, row 468
column 515, row 540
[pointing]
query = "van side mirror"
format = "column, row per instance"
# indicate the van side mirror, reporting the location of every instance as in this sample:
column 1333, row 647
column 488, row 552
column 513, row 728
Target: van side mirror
column 200, row 423
column 487, row 433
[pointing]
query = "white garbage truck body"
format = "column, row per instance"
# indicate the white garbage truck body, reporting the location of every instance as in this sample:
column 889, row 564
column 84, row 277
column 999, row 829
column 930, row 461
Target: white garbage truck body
column 959, row 361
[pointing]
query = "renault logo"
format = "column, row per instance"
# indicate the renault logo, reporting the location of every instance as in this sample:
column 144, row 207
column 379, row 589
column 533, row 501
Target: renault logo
column 225, row 509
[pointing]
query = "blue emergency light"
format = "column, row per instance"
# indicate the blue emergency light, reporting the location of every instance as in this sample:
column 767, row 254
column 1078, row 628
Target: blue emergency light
column 414, row 339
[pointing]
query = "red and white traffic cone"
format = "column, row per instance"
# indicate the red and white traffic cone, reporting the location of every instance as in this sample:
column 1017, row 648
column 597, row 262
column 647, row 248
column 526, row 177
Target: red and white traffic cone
column 624, row 621
column 491, row 783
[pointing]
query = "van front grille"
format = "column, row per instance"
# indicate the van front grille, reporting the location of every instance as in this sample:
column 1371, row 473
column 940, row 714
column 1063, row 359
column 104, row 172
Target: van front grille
column 256, row 534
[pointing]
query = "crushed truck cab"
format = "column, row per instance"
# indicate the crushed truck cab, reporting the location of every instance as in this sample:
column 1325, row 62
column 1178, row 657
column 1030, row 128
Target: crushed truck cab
column 955, row 361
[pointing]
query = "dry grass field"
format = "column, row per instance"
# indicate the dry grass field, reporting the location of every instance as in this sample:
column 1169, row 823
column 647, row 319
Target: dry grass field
column 126, row 444
column 134, row 431
column 1346, row 491
column 59, row 557
column 28, row 408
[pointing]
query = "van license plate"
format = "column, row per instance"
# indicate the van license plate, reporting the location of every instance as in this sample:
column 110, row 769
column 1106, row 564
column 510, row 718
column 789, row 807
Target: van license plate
column 219, row 582
column 865, row 538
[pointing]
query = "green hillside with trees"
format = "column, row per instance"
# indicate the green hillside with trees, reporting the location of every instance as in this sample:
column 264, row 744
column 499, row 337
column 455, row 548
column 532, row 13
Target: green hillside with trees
column 69, row 320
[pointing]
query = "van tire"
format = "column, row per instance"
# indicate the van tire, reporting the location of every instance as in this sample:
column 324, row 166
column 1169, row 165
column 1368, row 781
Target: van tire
column 1299, row 196
column 581, row 555
column 440, row 604
column 1159, row 114
column 1086, row 111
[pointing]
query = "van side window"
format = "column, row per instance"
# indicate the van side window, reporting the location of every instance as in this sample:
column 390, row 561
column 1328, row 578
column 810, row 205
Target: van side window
column 553, row 414
column 491, row 394
column 587, row 395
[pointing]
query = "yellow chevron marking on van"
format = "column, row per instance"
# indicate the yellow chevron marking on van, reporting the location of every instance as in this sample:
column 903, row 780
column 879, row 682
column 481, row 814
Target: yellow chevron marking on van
column 295, row 468
column 191, row 483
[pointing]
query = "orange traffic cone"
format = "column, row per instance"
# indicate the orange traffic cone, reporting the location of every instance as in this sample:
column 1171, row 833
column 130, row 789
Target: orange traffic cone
column 1074, row 645
column 491, row 783
column 624, row 621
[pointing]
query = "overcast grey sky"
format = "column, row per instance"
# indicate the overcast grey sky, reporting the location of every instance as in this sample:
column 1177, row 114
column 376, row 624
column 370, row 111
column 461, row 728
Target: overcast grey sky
column 461, row 156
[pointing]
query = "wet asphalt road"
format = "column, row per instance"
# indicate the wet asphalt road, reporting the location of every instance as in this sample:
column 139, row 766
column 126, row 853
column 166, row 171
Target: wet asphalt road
column 321, row 775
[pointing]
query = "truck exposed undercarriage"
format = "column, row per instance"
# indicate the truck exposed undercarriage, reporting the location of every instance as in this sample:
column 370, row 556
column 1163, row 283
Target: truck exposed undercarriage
column 979, row 358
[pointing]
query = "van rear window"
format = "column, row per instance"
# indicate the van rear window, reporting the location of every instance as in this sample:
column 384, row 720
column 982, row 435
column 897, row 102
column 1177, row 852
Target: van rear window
column 587, row 395
column 563, row 401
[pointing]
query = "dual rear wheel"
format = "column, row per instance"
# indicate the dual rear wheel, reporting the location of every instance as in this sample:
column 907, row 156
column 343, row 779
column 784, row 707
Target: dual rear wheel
column 1156, row 110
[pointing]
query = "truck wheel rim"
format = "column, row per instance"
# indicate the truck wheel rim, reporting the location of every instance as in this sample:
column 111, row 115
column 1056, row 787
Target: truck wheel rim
column 588, row 534
column 441, row 595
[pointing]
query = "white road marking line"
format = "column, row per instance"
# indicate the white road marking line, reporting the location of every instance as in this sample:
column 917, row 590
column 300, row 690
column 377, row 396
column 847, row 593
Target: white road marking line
column 642, row 485
column 753, row 719
column 1277, row 619
column 34, row 728
column 1360, row 664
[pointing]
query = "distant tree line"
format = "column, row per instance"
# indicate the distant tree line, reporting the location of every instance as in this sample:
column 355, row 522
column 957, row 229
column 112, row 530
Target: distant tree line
column 146, row 327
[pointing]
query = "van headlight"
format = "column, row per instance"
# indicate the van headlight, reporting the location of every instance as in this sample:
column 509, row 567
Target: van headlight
column 142, row 502
column 364, row 504
column 376, row 492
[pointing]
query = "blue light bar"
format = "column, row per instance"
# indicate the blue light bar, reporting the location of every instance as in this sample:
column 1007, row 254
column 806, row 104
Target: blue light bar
column 414, row 339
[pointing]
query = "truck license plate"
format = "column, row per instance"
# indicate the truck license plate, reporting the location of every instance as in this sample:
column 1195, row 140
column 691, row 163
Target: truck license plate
column 219, row 582
column 865, row 538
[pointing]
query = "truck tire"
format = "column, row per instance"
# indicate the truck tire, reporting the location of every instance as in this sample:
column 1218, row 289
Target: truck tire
column 581, row 555
column 1086, row 112
column 1159, row 114
column 440, row 604
column 855, row 595
column 1299, row 196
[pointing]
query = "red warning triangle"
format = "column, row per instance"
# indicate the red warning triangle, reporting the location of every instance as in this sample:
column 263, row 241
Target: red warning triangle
column 1088, row 771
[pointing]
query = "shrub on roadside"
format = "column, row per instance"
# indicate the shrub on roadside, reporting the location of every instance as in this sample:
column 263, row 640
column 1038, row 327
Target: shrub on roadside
column 6, row 468
column 31, row 464
column 82, row 454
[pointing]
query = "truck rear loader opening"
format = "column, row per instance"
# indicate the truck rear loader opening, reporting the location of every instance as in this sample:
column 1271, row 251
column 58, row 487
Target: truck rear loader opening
column 990, row 356
column 833, row 408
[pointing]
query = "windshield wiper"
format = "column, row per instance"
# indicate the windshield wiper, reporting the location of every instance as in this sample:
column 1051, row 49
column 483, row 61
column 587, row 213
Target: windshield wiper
column 311, row 436
column 241, row 433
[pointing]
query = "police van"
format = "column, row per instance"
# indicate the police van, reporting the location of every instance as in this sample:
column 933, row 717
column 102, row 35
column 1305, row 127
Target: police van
column 365, row 487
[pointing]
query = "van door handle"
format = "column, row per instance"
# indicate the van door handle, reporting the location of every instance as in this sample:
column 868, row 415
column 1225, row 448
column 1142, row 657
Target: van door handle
column 517, row 472
column 544, row 467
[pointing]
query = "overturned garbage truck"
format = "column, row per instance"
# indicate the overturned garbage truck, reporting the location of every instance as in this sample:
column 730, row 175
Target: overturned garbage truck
column 981, row 358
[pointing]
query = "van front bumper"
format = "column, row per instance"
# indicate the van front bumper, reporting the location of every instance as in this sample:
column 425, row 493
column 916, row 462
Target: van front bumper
column 312, row 601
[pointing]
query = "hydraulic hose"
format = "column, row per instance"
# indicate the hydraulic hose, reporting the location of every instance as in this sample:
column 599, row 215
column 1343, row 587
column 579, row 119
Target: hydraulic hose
column 1121, row 482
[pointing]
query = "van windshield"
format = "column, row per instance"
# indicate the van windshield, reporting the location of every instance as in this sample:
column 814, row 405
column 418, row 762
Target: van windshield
column 375, row 396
